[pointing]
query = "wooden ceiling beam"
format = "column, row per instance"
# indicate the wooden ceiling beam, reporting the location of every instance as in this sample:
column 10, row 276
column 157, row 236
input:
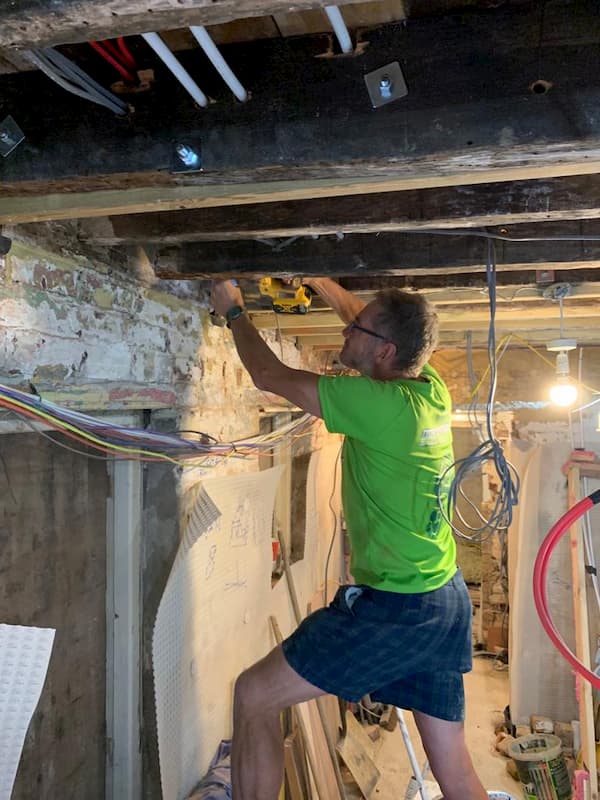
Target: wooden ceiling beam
column 45, row 23
column 518, row 315
column 555, row 246
column 52, row 22
column 574, row 197
column 309, row 129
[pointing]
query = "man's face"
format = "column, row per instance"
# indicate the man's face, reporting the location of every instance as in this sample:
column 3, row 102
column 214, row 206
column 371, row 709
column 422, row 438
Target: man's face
column 362, row 340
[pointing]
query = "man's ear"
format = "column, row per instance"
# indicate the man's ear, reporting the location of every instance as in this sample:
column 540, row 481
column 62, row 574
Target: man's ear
column 388, row 351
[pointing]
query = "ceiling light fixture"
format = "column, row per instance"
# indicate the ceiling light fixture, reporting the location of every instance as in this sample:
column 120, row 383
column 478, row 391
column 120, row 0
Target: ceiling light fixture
column 563, row 392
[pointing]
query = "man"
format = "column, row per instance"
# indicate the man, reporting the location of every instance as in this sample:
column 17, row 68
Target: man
column 403, row 633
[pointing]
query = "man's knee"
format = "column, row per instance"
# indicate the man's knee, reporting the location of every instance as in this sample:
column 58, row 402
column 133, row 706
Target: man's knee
column 247, row 696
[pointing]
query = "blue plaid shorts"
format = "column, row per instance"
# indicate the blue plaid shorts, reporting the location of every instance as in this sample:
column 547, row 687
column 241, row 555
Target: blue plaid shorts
column 407, row 650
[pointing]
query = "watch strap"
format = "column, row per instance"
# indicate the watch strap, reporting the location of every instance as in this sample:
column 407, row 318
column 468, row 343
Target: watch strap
column 234, row 313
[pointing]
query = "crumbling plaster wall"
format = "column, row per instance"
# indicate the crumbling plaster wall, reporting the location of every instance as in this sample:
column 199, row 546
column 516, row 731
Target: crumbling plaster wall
column 91, row 335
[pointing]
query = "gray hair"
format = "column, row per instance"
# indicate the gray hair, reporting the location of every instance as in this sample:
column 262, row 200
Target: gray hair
column 411, row 323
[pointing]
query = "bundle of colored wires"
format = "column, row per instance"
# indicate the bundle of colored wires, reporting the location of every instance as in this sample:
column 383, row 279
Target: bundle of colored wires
column 139, row 443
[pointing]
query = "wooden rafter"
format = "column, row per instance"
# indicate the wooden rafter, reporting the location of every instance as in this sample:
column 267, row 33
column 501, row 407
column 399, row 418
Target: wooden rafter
column 50, row 22
column 554, row 246
column 451, row 207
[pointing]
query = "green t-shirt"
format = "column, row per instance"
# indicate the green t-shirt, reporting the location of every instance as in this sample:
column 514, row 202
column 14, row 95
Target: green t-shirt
column 398, row 446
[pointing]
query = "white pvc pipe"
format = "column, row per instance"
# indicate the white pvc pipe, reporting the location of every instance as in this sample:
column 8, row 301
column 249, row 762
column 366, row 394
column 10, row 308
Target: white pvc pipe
column 339, row 27
column 218, row 62
column 163, row 52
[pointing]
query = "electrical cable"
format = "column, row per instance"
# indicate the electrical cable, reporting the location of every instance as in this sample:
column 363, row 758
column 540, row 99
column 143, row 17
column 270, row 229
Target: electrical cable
column 489, row 451
column 143, row 444
column 35, row 429
column 73, row 72
column 335, row 521
column 540, row 574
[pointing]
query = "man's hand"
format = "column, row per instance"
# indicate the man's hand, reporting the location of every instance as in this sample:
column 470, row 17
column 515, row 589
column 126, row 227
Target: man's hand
column 224, row 296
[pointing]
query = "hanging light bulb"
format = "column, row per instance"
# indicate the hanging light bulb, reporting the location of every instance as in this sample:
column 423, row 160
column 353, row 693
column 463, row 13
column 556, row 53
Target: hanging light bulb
column 563, row 392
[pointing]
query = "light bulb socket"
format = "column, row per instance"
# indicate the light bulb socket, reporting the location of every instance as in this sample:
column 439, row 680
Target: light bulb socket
column 562, row 363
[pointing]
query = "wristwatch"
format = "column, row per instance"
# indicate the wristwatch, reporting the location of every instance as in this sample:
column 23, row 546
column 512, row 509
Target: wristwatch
column 233, row 313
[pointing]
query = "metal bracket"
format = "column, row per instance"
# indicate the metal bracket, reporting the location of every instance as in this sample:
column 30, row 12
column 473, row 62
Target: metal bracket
column 557, row 291
column 10, row 136
column 187, row 157
column 386, row 84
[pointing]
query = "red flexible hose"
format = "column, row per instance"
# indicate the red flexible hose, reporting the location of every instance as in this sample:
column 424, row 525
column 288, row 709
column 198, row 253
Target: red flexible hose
column 104, row 51
column 540, row 573
column 126, row 56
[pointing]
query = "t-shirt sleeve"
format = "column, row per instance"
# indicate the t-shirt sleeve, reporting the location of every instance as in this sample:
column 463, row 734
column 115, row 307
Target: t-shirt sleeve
column 358, row 406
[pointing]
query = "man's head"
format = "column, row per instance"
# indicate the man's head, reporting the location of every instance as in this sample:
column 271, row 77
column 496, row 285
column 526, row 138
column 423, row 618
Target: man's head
column 393, row 336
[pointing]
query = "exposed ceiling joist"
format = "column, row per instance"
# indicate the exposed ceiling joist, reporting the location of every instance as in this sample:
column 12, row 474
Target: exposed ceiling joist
column 32, row 202
column 578, row 315
column 556, row 246
column 471, row 116
column 43, row 23
column 576, row 197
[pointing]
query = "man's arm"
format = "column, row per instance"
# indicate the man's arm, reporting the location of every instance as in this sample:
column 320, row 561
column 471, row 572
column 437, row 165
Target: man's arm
column 346, row 305
column 266, row 370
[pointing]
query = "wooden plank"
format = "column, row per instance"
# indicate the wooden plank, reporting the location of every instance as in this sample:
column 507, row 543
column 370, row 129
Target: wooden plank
column 355, row 16
column 79, row 197
column 315, row 122
column 50, row 22
column 387, row 253
column 582, row 637
column 354, row 748
column 519, row 317
column 293, row 752
column 460, row 206
column 312, row 762
column 320, row 744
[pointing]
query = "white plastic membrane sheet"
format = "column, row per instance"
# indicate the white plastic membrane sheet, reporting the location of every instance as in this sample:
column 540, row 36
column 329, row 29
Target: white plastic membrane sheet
column 216, row 596
column 24, row 658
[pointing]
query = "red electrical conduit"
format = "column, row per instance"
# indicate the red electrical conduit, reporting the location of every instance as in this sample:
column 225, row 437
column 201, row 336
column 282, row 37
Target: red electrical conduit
column 540, row 572
column 119, row 56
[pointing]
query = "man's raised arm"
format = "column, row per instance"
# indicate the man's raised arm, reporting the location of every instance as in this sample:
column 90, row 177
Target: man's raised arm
column 346, row 305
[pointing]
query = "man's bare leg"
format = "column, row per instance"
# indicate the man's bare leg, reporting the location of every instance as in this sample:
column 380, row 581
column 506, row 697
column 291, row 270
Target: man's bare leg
column 449, row 759
column 261, row 693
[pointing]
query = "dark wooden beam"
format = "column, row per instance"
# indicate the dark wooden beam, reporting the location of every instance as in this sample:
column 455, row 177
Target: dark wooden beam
column 508, row 280
column 386, row 254
column 309, row 129
column 576, row 197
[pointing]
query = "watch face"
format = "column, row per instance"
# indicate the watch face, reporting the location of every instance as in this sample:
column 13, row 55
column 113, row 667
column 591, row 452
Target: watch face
column 234, row 313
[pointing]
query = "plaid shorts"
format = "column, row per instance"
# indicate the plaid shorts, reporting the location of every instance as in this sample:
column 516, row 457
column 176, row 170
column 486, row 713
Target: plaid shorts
column 406, row 650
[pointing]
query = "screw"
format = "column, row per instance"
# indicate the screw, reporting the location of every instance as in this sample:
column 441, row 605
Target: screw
column 189, row 157
column 385, row 86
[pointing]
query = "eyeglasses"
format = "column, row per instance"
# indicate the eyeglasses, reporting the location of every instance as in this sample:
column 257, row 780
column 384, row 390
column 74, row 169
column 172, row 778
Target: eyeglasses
column 354, row 326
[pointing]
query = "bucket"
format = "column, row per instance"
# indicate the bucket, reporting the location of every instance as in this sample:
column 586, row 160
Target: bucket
column 541, row 767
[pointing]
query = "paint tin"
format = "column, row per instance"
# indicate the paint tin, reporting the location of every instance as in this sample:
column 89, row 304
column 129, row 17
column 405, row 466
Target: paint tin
column 541, row 766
